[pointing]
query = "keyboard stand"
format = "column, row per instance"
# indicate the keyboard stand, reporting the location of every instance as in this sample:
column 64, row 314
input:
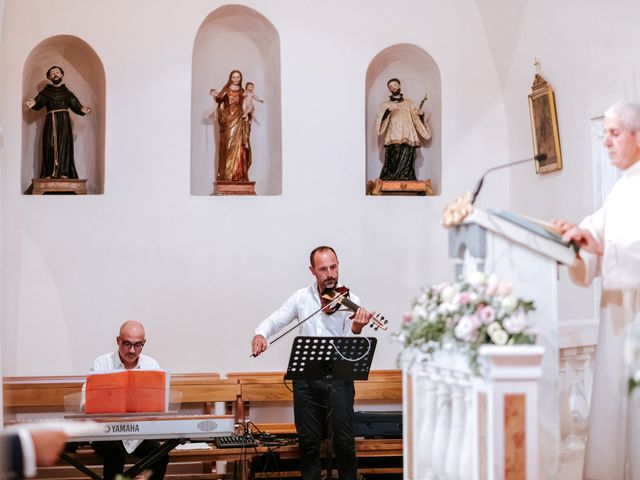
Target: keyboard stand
column 140, row 466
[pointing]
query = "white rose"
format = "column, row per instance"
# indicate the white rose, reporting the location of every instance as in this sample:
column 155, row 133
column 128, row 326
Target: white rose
column 446, row 308
column 433, row 316
column 465, row 330
column 447, row 293
column 636, row 376
column 419, row 312
column 509, row 303
column 500, row 337
column 516, row 323
column 477, row 278
column 493, row 327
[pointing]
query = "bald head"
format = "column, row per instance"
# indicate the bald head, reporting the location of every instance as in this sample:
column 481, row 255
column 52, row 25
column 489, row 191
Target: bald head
column 131, row 328
column 130, row 340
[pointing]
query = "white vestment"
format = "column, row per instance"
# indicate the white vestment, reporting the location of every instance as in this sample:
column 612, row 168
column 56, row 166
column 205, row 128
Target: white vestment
column 402, row 124
column 609, row 454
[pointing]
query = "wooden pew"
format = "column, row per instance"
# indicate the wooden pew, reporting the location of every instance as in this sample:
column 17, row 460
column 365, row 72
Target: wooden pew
column 47, row 394
column 26, row 395
column 383, row 386
column 39, row 394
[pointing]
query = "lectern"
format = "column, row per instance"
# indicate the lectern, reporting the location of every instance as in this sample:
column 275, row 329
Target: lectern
column 501, row 245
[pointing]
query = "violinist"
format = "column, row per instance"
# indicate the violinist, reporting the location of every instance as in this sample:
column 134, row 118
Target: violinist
column 310, row 398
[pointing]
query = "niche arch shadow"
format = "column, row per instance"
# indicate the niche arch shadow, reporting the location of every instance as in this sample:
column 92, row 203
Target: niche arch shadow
column 236, row 37
column 419, row 75
column 84, row 75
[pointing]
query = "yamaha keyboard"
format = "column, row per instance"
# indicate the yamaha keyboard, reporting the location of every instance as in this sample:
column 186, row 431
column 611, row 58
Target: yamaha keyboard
column 160, row 426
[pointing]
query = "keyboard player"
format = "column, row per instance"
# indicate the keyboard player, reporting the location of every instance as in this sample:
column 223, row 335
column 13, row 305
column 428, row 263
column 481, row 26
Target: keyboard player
column 130, row 341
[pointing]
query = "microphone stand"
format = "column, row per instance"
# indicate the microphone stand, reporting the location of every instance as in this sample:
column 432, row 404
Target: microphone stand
column 538, row 158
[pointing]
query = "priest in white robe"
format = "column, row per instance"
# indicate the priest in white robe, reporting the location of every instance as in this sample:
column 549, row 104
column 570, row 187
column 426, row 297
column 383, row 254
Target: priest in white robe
column 609, row 241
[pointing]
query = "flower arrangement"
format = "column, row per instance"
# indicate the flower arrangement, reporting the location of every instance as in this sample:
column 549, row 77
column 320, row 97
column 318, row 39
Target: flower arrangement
column 471, row 312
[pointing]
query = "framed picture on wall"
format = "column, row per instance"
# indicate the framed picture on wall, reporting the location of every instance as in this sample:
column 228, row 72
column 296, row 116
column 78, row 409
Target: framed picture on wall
column 544, row 126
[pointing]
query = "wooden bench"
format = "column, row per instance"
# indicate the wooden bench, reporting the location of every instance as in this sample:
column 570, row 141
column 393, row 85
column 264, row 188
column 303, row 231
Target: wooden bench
column 35, row 395
column 47, row 394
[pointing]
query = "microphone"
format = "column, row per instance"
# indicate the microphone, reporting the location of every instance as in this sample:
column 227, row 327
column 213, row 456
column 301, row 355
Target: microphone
column 541, row 157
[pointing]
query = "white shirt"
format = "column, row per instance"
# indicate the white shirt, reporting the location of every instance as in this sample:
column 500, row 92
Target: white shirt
column 298, row 307
column 617, row 226
column 110, row 362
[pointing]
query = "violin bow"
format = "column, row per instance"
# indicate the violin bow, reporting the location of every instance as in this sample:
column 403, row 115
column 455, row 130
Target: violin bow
column 337, row 298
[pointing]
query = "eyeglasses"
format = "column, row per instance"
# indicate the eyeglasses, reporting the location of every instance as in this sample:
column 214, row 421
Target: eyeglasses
column 127, row 345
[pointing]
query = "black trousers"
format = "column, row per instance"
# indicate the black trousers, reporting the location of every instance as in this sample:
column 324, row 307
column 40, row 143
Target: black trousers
column 311, row 405
column 114, row 456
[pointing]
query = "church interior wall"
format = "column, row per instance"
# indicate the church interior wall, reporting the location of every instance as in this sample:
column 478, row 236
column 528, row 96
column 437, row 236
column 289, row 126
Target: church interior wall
column 585, row 52
column 201, row 271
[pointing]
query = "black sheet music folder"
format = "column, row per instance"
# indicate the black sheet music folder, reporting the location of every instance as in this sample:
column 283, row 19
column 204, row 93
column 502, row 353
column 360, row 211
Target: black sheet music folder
column 528, row 224
column 341, row 358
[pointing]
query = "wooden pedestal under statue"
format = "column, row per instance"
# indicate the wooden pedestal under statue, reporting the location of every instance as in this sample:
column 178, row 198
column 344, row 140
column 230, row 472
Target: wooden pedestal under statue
column 234, row 188
column 400, row 187
column 71, row 186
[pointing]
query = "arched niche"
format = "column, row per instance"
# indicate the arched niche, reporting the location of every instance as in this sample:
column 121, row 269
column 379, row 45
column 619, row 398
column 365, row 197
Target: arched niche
column 419, row 75
column 84, row 76
column 236, row 37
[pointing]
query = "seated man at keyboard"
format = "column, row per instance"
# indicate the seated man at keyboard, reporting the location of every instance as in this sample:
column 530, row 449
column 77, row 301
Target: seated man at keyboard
column 130, row 341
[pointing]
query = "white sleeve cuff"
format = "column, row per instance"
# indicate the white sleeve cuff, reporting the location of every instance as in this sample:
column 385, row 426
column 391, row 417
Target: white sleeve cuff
column 28, row 453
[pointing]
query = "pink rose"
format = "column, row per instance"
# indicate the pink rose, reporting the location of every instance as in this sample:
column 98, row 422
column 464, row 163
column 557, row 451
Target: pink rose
column 487, row 315
column 504, row 288
column 492, row 289
column 464, row 298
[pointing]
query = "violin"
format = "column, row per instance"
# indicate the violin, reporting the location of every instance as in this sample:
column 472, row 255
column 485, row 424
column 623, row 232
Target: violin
column 339, row 296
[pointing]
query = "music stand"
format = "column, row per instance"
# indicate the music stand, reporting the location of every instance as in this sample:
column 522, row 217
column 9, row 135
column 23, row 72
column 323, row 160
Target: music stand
column 329, row 359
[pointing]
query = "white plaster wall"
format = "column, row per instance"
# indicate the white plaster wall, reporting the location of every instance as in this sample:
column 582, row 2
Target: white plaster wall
column 202, row 271
column 587, row 53
column 2, row 2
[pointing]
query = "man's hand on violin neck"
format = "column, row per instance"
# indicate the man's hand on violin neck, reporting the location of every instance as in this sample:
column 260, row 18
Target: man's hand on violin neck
column 360, row 320
column 258, row 345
